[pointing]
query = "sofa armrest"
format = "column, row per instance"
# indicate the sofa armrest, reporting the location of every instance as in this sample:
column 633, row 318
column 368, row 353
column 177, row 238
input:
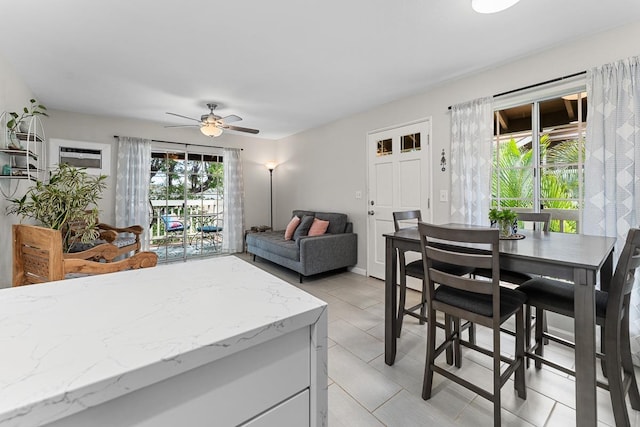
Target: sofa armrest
column 328, row 252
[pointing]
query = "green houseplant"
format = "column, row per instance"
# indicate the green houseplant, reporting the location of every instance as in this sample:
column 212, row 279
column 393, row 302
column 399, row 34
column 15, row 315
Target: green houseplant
column 66, row 202
column 503, row 218
column 34, row 109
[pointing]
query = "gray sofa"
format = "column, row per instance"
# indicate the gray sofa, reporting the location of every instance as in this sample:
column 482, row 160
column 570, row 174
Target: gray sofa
column 308, row 255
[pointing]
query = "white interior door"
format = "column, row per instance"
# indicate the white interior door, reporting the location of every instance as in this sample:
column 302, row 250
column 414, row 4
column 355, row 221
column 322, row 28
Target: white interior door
column 399, row 179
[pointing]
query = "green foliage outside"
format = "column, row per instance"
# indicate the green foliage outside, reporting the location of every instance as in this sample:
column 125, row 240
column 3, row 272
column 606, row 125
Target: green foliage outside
column 202, row 177
column 204, row 180
column 559, row 183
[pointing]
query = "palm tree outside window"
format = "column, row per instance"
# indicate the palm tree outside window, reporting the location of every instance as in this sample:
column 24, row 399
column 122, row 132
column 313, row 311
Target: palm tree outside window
column 538, row 158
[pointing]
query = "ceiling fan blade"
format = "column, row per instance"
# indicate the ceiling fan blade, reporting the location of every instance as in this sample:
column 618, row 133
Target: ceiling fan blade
column 240, row 129
column 182, row 126
column 231, row 118
column 184, row 117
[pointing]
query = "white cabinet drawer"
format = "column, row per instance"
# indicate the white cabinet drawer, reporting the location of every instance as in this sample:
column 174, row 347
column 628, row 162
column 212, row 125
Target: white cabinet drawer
column 292, row 413
column 226, row 392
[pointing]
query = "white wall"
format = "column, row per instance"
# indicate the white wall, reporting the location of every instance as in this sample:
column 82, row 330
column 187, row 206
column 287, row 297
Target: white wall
column 14, row 95
column 322, row 168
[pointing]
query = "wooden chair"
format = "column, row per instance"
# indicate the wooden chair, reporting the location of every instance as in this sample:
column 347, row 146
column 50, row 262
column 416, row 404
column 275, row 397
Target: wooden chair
column 415, row 269
column 125, row 239
column 612, row 314
column 38, row 257
column 539, row 220
column 477, row 300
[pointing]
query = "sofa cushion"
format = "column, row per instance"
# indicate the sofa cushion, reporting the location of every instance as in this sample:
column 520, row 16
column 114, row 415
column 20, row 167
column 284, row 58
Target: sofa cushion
column 303, row 228
column 318, row 228
column 291, row 227
column 337, row 221
column 300, row 213
column 273, row 242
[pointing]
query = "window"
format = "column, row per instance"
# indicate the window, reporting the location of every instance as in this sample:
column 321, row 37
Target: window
column 385, row 147
column 410, row 142
column 538, row 158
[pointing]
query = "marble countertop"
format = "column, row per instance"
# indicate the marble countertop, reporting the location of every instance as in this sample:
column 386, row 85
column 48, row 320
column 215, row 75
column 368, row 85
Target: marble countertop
column 69, row 345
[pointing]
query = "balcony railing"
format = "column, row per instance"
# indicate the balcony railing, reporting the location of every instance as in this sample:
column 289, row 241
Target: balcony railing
column 193, row 214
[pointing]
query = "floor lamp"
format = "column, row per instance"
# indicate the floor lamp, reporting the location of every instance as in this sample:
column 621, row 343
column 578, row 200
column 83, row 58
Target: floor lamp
column 271, row 166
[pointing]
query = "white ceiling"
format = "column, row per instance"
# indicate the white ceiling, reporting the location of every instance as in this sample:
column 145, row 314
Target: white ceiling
column 282, row 65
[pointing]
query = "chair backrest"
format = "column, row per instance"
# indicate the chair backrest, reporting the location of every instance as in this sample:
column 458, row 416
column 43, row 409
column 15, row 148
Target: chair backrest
column 38, row 257
column 172, row 223
column 405, row 216
column 624, row 277
column 539, row 219
column 477, row 247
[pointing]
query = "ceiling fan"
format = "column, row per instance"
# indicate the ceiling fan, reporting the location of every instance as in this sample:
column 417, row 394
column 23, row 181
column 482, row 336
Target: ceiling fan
column 212, row 125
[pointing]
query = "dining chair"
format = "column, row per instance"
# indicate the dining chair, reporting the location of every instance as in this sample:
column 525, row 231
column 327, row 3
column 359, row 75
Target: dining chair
column 415, row 269
column 38, row 257
column 538, row 221
column 476, row 299
column 612, row 314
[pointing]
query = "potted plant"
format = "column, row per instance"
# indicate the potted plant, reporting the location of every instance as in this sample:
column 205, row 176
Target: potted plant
column 17, row 121
column 67, row 202
column 503, row 219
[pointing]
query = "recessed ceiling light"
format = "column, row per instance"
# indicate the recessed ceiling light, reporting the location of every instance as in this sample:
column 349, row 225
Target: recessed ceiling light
column 492, row 6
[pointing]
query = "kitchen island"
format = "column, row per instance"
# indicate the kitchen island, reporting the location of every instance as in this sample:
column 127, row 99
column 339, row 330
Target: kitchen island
column 209, row 342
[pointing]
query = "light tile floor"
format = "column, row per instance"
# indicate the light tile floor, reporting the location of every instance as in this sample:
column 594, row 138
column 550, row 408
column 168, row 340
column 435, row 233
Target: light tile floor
column 364, row 391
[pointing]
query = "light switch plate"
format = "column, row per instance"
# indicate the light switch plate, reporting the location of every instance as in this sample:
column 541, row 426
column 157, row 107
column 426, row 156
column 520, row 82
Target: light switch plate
column 444, row 196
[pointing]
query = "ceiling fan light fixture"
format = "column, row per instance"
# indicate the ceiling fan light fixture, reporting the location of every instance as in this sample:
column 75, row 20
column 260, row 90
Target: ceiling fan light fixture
column 210, row 129
column 492, row 6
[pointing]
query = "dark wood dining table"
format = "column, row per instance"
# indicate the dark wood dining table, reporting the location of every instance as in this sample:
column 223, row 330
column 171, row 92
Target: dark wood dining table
column 574, row 257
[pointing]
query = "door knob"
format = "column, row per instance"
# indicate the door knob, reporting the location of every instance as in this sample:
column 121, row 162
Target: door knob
column 371, row 212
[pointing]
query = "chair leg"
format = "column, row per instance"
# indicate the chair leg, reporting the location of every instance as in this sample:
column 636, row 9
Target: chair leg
column 401, row 302
column 521, row 324
column 430, row 359
column 455, row 336
column 472, row 333
column 616, row 387
column 423, row 301
column 527, row 329
column 539, row 336
column 496, row 379
column 627, row 364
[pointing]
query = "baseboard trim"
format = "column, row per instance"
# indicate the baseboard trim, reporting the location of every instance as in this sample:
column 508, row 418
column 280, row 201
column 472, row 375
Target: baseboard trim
column 357, row 270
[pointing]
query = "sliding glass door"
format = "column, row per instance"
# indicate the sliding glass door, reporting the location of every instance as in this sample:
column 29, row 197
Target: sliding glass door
column 186, row 198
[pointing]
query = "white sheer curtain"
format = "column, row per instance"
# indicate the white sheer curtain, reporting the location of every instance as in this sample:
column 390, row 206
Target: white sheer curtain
column 612, row 159
column 233, row 223
column 471, row 136
column 612, row 162
column 132, row 184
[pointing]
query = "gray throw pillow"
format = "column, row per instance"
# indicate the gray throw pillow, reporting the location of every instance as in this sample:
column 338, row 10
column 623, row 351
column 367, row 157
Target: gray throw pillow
column 303, row 227
column 337, row 221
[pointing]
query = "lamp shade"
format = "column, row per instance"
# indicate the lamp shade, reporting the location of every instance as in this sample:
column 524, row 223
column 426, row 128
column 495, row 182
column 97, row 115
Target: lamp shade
column 492, row 6
column 210, row 129
column 271, row 165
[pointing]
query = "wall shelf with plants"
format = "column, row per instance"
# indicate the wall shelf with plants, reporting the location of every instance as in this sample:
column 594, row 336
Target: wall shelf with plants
column 22, row 150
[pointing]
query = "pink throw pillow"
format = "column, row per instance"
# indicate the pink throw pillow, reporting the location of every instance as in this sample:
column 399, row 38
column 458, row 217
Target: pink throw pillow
column 291, row 227
column 318, row 228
